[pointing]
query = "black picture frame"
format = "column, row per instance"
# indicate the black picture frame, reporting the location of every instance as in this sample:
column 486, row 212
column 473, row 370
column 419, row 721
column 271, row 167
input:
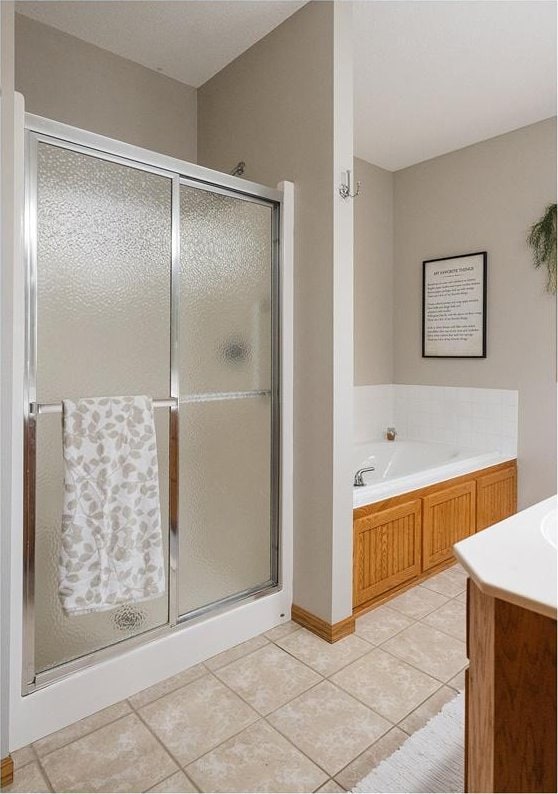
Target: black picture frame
column 425, row 266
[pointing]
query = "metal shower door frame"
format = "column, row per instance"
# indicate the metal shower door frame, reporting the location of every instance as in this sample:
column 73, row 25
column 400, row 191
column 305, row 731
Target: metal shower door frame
column 40, row 130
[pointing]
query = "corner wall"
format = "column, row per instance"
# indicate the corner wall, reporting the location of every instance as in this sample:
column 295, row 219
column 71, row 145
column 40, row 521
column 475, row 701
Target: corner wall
column 274, row 108
column 66, row 79
column 484, row 198
column 373, row 264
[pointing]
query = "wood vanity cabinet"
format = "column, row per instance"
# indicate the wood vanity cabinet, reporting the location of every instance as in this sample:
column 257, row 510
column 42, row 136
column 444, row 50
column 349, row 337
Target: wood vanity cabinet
column 510, row 697
column 406, row 538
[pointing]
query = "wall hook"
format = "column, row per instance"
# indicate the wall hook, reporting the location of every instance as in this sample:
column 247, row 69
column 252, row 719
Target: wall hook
column 239, row 169
column 345, row 188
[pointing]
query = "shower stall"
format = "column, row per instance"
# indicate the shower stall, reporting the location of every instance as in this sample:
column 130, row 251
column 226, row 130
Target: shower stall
column 148, row 275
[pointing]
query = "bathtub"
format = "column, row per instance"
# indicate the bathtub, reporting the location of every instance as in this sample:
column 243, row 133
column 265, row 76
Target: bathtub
column 402, row 466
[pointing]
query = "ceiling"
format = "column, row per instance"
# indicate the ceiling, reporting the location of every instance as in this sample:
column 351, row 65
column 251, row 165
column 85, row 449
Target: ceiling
column 190, row 41
column 430, row 76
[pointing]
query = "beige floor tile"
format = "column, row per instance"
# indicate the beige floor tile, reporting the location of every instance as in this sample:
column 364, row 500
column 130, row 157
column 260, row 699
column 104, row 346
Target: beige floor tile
column 258, row 759
column 122, row 756
column 390, row 687
column 268, row 678
column 331, row 787
column 380, row 624
column 436, row 654
column 369, row 760
column 450, row 582
column 28, row 778
column 196, row 718
column 167, row 685
column 417, row 602
column 450, row 619
column 462, row 597
column 175, row 784
column 236, row 653
column 324, row 657
column 23, row 756
column 78, row 729
column 329, row 726
column 458, row 681
column 418, row 719
column 281, row 631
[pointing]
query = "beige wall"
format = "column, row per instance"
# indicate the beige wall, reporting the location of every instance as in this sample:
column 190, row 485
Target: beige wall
column 373, row 274
column 486, row 197
column 69, row 80
column 273, row 108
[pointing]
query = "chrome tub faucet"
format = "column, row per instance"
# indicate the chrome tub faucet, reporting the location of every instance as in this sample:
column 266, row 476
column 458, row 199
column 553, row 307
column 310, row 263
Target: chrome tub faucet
column 358, row 481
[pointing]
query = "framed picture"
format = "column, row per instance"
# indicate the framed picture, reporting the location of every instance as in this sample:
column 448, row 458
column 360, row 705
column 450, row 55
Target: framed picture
column 454, row 306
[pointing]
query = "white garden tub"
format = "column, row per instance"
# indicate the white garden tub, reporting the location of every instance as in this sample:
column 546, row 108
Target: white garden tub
column 402, row 466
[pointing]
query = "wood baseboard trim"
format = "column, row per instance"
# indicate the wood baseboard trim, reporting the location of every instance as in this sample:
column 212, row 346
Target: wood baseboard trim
column 7, row 771
column 332, row 632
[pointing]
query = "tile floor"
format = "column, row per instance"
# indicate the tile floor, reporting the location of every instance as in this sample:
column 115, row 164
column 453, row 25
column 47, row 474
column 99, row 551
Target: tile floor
column 282, row 712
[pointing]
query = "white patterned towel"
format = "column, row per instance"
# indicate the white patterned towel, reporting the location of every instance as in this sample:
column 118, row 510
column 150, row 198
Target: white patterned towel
column 112, row 549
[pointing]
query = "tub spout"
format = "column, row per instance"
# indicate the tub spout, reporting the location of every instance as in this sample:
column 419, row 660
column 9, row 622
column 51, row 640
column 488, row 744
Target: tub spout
column 358, row 476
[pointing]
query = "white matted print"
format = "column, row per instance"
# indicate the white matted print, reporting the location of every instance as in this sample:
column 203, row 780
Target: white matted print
column 454, row 307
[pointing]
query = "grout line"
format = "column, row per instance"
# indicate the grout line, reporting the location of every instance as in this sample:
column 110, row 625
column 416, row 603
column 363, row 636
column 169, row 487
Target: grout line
column 390, row 724
column 165, row 748
column 435, row 677
column 45, row 775
column 170, row 691
column 183, row 767
column 329, row 675
column 443, row 631
column 216, row 673
column 83, row 735
column 172, row 774
column 24, row 766
column 331, row 780
column 244, row 655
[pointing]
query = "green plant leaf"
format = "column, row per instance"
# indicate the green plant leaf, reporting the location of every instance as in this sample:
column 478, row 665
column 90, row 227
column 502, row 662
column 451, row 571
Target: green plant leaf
column 542, row 241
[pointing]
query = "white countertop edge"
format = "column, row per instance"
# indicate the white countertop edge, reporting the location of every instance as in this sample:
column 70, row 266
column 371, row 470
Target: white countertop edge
column 517, row 599
column 512, row 561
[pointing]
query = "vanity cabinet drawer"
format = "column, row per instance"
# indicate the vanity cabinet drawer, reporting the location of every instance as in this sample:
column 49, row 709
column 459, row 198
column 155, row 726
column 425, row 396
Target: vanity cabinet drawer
column 496, row 496
column 449, row 515
column 387, row 550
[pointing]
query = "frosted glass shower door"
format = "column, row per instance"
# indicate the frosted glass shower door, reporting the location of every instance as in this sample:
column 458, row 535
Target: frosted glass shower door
column 103, row 287
column 227, row 446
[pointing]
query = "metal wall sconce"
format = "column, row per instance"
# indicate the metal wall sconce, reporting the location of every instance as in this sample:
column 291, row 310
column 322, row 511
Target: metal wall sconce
column 345, row 189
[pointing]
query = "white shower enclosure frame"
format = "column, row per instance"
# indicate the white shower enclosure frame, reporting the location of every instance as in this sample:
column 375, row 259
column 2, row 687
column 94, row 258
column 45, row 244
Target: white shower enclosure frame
column 41, row 704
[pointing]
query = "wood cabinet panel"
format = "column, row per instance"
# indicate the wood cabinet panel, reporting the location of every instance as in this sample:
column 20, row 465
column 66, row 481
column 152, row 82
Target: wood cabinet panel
column 510, row 698
column 387, row 550
column 449, row 515
column 496, row 496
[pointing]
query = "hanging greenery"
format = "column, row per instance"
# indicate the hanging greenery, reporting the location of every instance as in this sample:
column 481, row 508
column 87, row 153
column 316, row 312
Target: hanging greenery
column 542, row 240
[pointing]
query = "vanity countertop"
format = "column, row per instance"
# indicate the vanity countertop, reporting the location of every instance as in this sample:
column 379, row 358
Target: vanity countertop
column 513, row 561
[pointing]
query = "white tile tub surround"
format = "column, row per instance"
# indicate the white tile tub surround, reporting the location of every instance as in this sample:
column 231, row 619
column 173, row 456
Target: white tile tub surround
column 373, row 411
column 466, row 417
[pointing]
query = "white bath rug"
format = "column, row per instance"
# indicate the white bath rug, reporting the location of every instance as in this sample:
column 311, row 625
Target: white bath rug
column 431, row 760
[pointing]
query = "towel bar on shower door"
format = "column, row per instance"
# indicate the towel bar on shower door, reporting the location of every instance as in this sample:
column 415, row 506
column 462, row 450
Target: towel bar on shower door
column 56, row 408
column 169, row 402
